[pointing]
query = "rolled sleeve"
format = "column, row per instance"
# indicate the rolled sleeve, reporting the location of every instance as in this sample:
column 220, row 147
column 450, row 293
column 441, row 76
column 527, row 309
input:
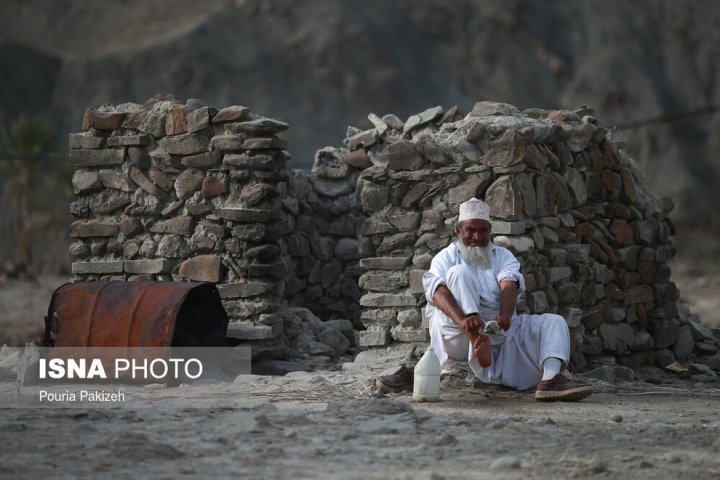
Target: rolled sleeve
column 510, row 271
column 431, row 282
column 439, row 266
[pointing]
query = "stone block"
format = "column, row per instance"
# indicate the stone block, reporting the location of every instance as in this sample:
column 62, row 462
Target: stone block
column 685, row 344
column 396, row 242
column 175, row 122
column 199, row 119
column 244, row 330
column 557, row 273
column 374, row 337
column 255, row 162
column 92, row 228
column 323, row 248
column 233, row 113
column 228, row 143
column 616, row 338
column 183, row 225
column 665, row 332
column 426, row 116
column 488, row 109
column 383, row 281
column 335, row 339
column 116, row 181
column 474, row 187
column 107, row 121
column 256, row 193
column 347, row 249
column 409, row 318
column 404, row 155
column 85, row 140
column 508, row 150
column 641, row 294
column 155, row 266
column 358, row 159
column 537, row 301
column 387, row 300
column 629, row 187
column 265, row 143
column 416, row 283
column 379, row 317
column 508, row 228
column 373, row 197
column 577, row 253
column 185, row 144
column 85, row 181
column 253, row 232
column 259, row 126
column 546, row 193
column 130, row 226
column 385, row 263
column 248, row 215
column 374, row 225
column 96, row 158
column 140, row 178
column 82, row 268
column 642, row 341
column 404, row 334
column 173, row 246
column 622, row 232
column 129, row 141
column 202, row 160
column 139, row 157
column 213, row 187
column 505, row 199
column 645, row 231
column 573, row 316
column 247, row 289
column 329, row 163
column 202, row 268
column 332, row 187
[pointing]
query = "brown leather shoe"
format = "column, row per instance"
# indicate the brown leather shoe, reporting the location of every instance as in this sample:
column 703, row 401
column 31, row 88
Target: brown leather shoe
column 399, row 381
column 561, row 389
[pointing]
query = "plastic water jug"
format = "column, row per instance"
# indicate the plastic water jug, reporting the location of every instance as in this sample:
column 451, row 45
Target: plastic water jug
column 426, row 384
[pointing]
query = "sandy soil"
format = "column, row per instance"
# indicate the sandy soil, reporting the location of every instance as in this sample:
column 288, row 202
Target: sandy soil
column 323, row 425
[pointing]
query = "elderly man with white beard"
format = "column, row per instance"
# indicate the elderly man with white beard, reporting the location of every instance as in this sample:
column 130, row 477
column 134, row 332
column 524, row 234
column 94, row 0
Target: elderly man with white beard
column 472, row 288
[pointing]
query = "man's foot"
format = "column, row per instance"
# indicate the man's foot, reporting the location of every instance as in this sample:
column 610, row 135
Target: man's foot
column 559, row 388
column 397, row 382
column 482, row 348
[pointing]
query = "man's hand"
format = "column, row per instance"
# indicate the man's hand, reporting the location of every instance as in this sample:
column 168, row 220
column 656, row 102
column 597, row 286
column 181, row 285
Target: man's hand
column 503, row 321
column 472, row 323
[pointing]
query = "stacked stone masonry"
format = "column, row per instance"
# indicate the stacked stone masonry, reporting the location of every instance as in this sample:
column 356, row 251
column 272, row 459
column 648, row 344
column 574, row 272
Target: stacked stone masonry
column 183, row 191
column 592, row 240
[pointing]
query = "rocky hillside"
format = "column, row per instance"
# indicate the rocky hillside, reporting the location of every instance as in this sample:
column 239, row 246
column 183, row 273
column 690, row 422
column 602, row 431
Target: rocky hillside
column 335, row 62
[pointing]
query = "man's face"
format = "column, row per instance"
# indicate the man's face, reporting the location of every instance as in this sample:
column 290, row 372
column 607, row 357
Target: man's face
column 474, row 233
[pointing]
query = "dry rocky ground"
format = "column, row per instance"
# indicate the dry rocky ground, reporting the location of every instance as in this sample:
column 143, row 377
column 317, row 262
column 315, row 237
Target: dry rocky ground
column 324, row 425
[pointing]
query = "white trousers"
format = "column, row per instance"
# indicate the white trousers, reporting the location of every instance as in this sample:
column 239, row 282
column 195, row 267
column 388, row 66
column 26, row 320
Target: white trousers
column 517, row 354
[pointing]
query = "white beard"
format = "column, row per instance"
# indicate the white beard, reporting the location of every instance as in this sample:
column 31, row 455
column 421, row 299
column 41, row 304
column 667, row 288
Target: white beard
column 475, row 256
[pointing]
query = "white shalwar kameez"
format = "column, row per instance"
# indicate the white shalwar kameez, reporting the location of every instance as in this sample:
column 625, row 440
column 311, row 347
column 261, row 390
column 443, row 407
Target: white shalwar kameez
column 518, row 353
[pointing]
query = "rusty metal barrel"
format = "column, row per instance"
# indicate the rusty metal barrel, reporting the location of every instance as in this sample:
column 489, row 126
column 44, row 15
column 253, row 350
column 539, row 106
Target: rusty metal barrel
column 136, row 314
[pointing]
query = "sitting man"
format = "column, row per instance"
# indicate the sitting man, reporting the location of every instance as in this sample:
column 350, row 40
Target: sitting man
column 472, row 288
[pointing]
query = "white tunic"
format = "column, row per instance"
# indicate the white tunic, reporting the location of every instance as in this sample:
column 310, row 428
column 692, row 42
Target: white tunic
column 518, row 353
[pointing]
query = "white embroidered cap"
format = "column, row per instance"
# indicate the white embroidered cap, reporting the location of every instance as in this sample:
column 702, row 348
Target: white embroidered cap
column 474, row 209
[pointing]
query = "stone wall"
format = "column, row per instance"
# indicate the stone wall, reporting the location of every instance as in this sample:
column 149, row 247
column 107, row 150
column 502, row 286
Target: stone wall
column 183, row 191
column 324, row 244
column 592, row 240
